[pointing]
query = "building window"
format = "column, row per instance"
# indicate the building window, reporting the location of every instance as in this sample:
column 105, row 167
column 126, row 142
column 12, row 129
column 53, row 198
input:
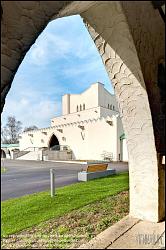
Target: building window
column 111, row 106
column 77, row 108
column 80, row 107
column 108, row 106
column 83, row 106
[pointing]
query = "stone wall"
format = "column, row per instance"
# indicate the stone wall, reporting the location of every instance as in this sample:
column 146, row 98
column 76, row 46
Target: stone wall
column 57, row 155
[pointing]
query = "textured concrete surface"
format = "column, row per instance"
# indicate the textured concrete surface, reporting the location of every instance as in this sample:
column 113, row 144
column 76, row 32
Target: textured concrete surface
column 143, row 235
column 110, row 29
column 130, row 233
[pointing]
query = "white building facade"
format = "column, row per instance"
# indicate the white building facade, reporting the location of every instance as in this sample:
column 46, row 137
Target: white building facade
column 90, row 127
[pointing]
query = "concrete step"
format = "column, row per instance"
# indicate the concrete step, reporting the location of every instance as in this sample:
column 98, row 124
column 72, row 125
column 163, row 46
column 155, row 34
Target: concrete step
column 130, row 233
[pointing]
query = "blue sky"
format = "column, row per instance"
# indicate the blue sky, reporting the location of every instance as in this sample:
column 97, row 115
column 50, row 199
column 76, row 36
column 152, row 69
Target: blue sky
column 63, row 60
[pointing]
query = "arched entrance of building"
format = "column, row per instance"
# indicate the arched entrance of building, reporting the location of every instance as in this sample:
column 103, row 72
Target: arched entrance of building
column 3, row 154
column 54, row 143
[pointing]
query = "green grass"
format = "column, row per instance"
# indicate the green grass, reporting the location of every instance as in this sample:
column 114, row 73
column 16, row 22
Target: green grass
column 3, row 170
column 30, row 210
column 74, row 228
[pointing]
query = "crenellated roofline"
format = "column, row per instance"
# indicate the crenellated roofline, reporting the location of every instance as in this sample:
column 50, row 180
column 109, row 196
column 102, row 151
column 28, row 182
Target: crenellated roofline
column 82, row 122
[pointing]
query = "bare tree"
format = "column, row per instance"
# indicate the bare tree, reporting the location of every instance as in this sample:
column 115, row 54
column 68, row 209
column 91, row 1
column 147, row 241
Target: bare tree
column 33, row 127
column 10, row 132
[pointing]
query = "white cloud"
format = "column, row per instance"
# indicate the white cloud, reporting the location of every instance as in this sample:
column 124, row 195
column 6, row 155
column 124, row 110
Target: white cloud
column 61, row 43
column 48, row 47
column 31, row 110
column 82, row 69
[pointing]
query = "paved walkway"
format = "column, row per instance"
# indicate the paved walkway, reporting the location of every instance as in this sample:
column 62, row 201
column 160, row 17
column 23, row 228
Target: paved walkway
column 27, row 177
column 130, row 233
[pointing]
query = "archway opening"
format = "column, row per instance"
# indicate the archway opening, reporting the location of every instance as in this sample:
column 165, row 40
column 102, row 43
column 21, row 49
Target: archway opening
column 129, row 112
column 54, row 143
column 3, row 154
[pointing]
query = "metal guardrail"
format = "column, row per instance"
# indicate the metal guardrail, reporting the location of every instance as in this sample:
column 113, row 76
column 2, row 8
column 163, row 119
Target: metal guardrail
column 107, row 156
column 27, row 149
column 60, row 148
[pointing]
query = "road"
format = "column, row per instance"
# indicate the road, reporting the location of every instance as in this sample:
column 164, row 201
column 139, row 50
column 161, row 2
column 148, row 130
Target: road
column 27, row 177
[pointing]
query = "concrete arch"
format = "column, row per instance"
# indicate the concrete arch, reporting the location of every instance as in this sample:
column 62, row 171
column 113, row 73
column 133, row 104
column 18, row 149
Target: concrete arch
column 116, row 46
column 121, row 43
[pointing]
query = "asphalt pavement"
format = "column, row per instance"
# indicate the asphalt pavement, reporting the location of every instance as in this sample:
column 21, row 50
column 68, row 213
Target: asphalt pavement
column 27, row 177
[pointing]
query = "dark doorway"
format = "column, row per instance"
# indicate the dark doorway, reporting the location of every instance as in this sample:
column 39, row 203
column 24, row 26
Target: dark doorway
column 54, row 143
column 3, row 154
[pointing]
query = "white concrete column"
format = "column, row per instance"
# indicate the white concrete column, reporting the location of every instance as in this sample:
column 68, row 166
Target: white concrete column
column 109, row 29
column 66, row 104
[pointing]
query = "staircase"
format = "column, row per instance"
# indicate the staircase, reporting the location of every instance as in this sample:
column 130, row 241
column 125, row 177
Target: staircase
column 19, row 154
column 31, row 156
